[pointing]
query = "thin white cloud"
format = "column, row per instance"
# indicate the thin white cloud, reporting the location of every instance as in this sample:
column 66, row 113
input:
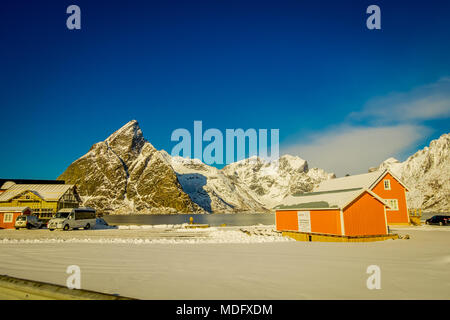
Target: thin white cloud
column 427, row 102
column 352, row 149
column 388, row 126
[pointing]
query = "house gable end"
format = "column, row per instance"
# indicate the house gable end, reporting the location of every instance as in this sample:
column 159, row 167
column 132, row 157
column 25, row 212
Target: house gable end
column 374, row 195
column 27, row 195
column 382, row 177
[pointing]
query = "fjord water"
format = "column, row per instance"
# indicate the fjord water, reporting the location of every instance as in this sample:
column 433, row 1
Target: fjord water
column 237, row 219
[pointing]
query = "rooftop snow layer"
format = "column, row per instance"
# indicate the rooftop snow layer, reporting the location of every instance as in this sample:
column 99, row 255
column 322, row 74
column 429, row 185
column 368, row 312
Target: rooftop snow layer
column 45, row 191
column 357, row 181
column 13, row 209
column 321, row 200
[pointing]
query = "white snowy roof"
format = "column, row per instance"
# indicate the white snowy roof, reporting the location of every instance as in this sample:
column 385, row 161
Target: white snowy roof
column 47, row 192
column 336, row 199
column 7, row 185
column 13, row 209
column 366, row 181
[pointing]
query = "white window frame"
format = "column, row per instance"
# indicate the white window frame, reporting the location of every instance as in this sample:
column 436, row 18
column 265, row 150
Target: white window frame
column 8, row 217
column 389, row 184
column 392, row 203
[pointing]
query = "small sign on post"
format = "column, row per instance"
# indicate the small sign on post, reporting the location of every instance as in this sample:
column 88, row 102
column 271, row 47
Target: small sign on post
column 304, row 221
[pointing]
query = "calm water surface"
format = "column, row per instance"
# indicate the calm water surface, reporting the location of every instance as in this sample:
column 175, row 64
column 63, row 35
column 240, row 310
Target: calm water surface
column 238, row 219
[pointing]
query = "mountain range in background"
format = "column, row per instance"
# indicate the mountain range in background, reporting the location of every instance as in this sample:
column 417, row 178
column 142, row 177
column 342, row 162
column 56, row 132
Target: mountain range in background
column 127, row 174
column 427, row 175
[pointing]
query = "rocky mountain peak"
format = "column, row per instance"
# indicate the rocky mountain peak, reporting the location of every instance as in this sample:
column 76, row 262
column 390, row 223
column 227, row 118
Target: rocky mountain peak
column 391, row 160
column 284, row 163
column 125, row 174
column 127, row 142
column 293, row 163
column 390, row 163
column 131, row 130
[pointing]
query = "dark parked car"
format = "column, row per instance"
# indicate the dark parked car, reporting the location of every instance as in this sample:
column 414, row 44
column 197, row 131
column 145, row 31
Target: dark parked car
column 28, row 221
column 440, row 220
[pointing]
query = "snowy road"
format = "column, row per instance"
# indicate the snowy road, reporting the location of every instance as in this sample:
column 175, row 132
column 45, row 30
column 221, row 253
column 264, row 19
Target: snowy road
column 410, row 269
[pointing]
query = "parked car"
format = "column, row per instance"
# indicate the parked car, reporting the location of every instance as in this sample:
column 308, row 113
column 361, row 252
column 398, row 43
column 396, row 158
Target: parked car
column 440, row 220
column 66, row 219
column 27, row 221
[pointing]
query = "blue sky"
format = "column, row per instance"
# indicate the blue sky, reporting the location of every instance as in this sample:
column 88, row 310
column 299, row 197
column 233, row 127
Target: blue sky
column 344, row 97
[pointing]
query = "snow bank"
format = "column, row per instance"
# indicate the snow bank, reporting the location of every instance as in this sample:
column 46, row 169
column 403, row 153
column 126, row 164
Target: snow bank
column 164, row 234
column 223, row 237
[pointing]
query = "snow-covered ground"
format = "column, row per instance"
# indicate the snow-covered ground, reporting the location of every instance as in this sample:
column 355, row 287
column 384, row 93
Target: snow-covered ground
column 127, row 262
column 147, row 234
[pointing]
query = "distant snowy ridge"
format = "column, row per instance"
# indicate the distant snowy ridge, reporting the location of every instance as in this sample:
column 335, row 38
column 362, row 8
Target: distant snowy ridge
column 252, row 184
column 211, row 189
column 427, row 175
column 270, row 182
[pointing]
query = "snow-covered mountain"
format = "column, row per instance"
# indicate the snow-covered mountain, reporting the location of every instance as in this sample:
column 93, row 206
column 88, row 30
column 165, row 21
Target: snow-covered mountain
column 248, row 185
column 270, row 182
column 125, row 174
column 427, row 175
column 211, row 189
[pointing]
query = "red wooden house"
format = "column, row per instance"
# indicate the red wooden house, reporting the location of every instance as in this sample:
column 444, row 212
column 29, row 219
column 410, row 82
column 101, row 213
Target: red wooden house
column 382, row 183
column 347, row 212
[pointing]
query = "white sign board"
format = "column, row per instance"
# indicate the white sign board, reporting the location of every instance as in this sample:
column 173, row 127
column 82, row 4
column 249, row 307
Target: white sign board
column 304, row 221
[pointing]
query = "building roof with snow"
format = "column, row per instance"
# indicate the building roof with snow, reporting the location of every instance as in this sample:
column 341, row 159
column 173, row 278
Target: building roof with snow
column 14, row 209
column 365, row 181
column 335, row 199
column 6, row 183
column 47, row 192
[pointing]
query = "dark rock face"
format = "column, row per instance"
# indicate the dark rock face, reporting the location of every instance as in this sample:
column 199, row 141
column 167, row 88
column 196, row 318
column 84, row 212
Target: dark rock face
column 126, row 174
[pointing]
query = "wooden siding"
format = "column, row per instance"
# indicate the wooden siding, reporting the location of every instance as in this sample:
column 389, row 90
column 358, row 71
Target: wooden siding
column 397, row 191
column 326, row 221
column 286, row 220
column 322, row 221
column 365, row 216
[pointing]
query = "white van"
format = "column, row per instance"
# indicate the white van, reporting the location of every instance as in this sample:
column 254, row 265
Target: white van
column 27, row 221
column 66, row 219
